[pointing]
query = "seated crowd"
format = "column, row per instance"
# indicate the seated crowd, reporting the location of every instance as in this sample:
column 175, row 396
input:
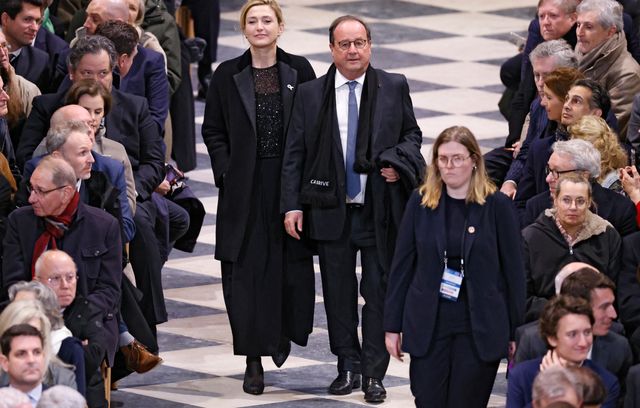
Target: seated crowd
column 573, row 178
column 88, row 215
column 90, row 207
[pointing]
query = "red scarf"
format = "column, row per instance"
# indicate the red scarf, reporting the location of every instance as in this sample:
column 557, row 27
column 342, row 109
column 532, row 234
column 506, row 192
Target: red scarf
column 54, row 228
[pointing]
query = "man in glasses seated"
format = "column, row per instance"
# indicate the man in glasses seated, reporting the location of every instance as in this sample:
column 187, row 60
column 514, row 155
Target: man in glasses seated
column 57, row 219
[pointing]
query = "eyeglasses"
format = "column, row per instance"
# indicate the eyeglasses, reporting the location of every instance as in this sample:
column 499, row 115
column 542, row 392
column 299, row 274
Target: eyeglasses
column 567, row 202
column 556, row 173
column 456, row 161
column 346, row 44
column 57, row 280
column 39, row 192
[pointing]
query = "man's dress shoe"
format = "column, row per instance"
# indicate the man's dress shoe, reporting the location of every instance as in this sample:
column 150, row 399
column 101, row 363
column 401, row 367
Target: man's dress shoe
column 344, row 383
column 373, row 390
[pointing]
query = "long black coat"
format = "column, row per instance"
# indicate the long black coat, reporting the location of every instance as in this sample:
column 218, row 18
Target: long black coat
column 229, row 131
column 394, row 128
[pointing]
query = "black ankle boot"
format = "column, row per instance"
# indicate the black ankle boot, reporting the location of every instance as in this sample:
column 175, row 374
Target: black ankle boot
column 253, row 377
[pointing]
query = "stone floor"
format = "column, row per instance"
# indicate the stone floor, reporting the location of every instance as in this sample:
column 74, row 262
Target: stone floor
column 451, row 52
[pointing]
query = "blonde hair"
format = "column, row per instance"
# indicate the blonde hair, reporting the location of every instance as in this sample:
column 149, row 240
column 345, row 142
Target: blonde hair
column 252, row 3
column 595, row 130
column 22, row 312
column 479, row 187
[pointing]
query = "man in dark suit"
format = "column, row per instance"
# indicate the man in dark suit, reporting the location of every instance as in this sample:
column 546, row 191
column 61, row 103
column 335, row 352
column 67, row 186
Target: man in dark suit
column 57, row 218
column 610, row 350
column 356, row 207
column 610, row 205
column 57, row 270
column 142, row 70
column 23, row 359
column 20, row 21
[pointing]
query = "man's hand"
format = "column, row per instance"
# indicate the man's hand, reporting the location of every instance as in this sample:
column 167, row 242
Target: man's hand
column 552, row 359
column 393, row 341
column 163, row 188
column 508, row 189
column 293, row 223
column 390, row 174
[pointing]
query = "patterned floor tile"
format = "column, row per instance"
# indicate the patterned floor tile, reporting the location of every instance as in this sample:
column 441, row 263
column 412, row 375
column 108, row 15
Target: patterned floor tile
column 451, row 52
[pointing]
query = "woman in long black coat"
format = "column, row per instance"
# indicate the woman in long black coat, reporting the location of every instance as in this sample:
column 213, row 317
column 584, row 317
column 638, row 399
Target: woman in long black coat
column 267, row 283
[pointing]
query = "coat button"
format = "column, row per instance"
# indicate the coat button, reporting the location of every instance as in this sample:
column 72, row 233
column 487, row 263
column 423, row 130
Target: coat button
column 96, row 253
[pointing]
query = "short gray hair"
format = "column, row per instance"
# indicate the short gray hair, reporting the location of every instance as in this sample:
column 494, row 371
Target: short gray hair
column 11, row 397
column 584, row 156
column 609, row 12
column 554, row 383
column 45, row 295
column 61, row 396
column 62, row 173
column 57, row 136
column 560, row 50
column 568, row 6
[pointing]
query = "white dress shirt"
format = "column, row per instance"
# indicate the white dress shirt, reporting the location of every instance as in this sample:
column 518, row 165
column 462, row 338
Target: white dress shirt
column 342, row 111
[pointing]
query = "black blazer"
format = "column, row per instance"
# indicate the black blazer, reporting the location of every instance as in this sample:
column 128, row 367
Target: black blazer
column 56, row 48
column 394, row 128
column 613, row 207
column 494, row 275
column 33, row 65
column 628, row 287
column 128, row 123
column 229, row 131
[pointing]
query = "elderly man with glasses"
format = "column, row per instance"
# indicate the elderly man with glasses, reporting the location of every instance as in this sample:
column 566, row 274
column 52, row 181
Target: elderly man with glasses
column 57, row 219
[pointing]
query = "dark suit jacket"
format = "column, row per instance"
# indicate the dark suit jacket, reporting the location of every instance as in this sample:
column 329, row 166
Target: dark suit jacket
column 147, row 77
column 92, row 240
column 628, row 287
column 613, row 207
column 84, row 320
column 533, row 179
column 33, row 65
column 394, row 127
column 229, row 131
column 521, row 383
column 494, row 275
column 56, row 48
column 611, row 352
column 113, row 170
column 128, row 123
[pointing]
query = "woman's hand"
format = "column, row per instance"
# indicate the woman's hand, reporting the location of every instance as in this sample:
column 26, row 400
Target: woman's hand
column 393, row 341
column 630, row 182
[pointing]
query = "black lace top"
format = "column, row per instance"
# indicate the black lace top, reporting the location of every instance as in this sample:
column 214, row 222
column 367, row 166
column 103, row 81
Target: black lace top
column 268, row 111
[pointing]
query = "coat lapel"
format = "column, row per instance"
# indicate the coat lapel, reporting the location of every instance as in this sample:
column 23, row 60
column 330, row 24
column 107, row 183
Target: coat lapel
column 288, row 84
column 379, row 114
column 473, row 220
column 439, row 216
column 246, row 90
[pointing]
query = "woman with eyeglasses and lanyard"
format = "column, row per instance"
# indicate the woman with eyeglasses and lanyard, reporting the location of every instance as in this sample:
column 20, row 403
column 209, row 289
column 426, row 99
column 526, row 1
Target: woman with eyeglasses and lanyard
column 568, row 232
column 456, row 290
column 267, row 277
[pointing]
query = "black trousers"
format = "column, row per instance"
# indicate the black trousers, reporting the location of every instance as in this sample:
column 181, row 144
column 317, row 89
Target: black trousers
column 340, row 291
column 497, row 163
column 146, row 262
column 206, row 24
column 452, row 375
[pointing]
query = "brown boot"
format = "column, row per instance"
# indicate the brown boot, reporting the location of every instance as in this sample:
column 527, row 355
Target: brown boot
column 138, row 358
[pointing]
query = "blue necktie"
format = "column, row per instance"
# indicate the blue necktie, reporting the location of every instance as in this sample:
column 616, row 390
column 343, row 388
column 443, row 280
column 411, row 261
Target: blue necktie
column 353, row 178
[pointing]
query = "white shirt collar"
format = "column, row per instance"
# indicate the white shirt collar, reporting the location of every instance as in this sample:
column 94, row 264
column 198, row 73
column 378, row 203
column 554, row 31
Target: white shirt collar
column 341, row 80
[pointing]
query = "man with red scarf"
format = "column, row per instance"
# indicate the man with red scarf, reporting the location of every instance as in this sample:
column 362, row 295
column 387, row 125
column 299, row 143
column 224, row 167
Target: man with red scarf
column 57, row 219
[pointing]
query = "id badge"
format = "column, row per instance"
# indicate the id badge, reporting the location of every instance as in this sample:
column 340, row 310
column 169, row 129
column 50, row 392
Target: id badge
column 450, row 284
